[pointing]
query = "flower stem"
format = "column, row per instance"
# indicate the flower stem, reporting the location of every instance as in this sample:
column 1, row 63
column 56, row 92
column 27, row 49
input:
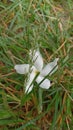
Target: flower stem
column 40, row 92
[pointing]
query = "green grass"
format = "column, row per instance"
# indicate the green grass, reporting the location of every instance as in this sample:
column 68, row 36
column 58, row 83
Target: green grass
column 25, row 25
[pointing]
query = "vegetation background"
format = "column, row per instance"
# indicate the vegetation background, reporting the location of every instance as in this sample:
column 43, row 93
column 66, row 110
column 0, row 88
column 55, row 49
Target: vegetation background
column 26, row 24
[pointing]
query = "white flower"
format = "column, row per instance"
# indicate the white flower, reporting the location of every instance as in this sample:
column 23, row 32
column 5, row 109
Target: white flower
column 37, row 66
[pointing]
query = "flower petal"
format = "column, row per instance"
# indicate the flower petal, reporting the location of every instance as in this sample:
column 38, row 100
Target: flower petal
column 29, row 85
column 38, row 60
column 28, row 89
column 22, row 69
column 45, row 83
column 49, row 67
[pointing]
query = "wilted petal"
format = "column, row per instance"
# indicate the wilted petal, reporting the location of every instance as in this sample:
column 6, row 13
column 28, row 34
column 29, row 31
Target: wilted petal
column 49, row 67
column 45, row 83
column 38, row 60
column 22, row 69
column 29, row 85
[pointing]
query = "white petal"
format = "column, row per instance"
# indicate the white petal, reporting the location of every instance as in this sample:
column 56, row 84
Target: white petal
column 29, row 85
column 28, row 88
column 38, row 60
column 49, row 67
column 45, row 84
column 22, row 69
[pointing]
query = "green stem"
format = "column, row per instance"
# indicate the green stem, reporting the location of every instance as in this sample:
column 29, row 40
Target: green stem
column 40, row 92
